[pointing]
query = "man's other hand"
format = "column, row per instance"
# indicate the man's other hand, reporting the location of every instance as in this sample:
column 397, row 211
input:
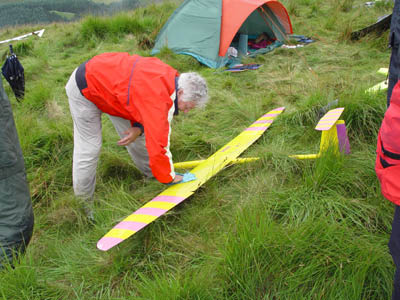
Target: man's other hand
column 131, row 135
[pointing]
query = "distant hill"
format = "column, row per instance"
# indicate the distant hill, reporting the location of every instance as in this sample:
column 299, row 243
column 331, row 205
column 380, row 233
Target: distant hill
column 18, row 12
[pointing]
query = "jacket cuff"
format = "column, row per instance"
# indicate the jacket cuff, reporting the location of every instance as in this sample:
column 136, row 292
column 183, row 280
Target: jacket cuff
column 140, row 126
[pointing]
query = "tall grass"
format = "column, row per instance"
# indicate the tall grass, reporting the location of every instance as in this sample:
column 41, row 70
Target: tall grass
column 143, row 23
column 278, row 228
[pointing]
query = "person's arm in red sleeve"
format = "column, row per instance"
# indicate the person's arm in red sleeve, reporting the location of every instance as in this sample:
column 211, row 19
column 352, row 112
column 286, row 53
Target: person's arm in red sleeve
column 157, row 135
column 156, row 120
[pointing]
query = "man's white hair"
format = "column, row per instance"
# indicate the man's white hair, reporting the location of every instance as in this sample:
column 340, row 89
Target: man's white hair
column 194, row 88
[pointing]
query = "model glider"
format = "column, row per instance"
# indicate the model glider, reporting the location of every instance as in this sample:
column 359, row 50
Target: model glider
column 39, row 33
column 383, row 71
column 333, row 135
column 177, row 193
column 194, row 163
column 380, row 86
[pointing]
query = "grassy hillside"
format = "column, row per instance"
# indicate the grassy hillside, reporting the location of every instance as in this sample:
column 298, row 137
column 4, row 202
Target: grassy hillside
column 47, row 11
column 276, row 229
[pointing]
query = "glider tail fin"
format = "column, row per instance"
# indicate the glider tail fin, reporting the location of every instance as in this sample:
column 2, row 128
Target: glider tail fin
column 335, row 138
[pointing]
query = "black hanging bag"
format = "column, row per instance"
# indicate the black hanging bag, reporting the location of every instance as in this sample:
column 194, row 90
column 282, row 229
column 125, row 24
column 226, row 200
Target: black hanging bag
column 13, row 72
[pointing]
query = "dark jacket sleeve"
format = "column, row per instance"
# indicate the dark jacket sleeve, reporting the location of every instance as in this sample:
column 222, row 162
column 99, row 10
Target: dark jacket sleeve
column 16, row 215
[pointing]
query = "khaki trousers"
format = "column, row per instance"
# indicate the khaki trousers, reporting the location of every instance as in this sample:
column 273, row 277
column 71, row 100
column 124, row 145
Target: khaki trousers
column 88, row 139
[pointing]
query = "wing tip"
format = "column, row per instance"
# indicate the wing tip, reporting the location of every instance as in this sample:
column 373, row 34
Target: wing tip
column 107, row 243
column 282, row 108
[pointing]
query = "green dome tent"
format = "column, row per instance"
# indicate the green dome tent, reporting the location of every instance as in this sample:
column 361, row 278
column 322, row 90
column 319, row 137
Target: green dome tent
column 205, row 29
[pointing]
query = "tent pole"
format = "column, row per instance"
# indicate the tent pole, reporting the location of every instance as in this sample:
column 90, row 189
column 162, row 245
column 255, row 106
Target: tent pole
column 261, row 9
column 263, row 16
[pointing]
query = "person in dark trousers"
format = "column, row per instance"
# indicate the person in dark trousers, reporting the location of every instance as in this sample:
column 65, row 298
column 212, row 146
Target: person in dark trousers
column 394, row 44
column 16, row 214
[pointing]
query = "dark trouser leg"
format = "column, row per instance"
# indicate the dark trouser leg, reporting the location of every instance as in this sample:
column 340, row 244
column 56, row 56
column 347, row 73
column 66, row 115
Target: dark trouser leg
column 10, row 251
column 394, row 70
column 394, row 247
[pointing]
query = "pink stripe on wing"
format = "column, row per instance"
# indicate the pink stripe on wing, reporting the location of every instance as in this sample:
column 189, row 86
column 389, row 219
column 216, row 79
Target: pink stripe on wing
column 171, row 199
column 226, row 148
column 263, row 122
column 256, row 128
column 329, row 119
column 270, row 115
column 324, row 127
column 134, row 226
column 150, row 211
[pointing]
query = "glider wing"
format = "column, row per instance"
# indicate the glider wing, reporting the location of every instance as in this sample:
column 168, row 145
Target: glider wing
column 175, row 194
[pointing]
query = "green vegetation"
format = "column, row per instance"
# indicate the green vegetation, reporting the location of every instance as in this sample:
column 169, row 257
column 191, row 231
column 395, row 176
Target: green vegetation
column 64, row 15
column 47, row 11
column 275, row 229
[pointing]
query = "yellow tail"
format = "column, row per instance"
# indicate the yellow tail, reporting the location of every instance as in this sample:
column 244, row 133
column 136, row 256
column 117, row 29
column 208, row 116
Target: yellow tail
column 335, row 138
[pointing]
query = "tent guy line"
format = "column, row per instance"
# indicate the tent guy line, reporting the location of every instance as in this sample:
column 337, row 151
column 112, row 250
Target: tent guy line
column 38, row 33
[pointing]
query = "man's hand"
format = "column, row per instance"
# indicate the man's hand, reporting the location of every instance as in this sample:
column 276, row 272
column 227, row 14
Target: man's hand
column 131, row 135
column 183, row 178
column 177, row 178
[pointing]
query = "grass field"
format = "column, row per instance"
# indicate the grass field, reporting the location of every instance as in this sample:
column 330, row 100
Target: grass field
column 276, row 229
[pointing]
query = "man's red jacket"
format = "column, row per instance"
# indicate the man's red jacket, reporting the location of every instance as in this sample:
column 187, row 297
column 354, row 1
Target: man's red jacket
column 139, row 89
